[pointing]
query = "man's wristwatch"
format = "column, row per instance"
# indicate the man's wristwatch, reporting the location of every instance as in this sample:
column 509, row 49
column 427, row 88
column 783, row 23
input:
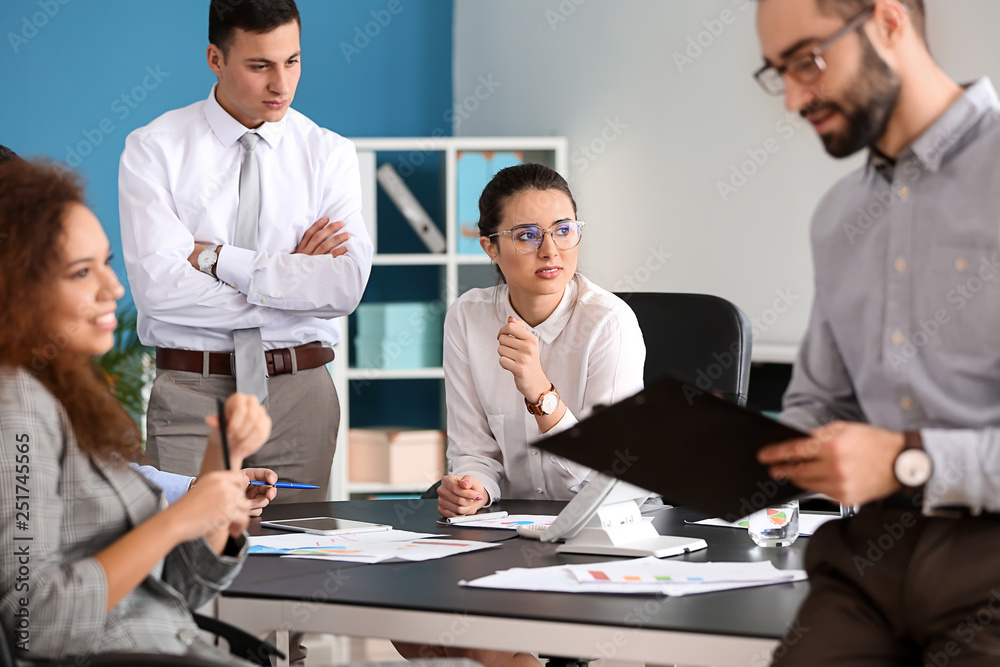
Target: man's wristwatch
column 207, row 259
column 913, row 467
column 547, row 402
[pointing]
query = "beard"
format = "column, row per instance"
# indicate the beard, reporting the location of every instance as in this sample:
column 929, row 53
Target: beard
column 867, row 107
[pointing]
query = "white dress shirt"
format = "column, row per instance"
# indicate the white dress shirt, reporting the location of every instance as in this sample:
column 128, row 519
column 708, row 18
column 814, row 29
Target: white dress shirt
column 591, row 349
column 179, row 184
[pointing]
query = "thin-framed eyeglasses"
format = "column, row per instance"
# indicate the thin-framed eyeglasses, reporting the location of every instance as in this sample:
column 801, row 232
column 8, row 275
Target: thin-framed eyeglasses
column 528, row 238
column 809, row 67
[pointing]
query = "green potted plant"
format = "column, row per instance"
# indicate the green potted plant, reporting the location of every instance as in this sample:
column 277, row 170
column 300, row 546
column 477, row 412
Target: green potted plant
column 129, row 367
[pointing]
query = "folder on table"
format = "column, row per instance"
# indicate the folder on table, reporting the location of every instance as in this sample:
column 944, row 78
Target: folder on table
column 693, row 448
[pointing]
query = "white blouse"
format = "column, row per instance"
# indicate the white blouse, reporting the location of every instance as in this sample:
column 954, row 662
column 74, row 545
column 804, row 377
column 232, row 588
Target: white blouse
column 591, row 349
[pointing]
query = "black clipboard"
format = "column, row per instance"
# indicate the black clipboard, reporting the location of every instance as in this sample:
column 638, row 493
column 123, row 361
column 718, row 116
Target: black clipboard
column 693, row 448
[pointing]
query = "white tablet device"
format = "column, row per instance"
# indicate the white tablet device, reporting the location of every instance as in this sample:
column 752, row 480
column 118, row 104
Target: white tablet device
column 325, row 525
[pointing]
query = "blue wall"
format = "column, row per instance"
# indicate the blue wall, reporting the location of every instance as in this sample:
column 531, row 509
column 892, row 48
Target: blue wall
column 65, row 66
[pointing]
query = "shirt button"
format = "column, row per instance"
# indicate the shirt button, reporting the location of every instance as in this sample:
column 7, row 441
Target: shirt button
column 898, row 338
column 263, row 301
column 534, row 451
column 540, row 490
column 899, row 265
column 904, row 192
column 906, row 403
column 186, row 637
column 961, row 264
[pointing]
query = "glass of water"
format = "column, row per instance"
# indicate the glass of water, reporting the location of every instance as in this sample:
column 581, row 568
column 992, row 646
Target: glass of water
column 776, row 526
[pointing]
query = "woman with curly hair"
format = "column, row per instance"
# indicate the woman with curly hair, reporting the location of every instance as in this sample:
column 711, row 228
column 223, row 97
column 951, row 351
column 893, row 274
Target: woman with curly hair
column 98, row 562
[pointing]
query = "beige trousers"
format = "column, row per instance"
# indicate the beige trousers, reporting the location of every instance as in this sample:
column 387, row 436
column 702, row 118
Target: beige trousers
column 303, row 407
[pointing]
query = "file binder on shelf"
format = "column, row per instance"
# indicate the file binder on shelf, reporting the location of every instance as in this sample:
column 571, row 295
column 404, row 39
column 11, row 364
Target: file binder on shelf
column 411, row 209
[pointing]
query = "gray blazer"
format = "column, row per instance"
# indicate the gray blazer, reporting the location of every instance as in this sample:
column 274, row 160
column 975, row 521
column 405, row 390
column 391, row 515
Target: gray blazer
column 59, row 508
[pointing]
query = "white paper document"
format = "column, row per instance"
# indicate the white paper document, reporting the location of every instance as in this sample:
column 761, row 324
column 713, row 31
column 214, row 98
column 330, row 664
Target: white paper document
column 428, row 548
column 509, row 522
column 282, row 544
column 808, row 523
column 640, row 576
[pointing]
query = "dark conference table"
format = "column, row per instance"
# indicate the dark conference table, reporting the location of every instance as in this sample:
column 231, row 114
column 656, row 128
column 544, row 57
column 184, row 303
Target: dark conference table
column 423, row 602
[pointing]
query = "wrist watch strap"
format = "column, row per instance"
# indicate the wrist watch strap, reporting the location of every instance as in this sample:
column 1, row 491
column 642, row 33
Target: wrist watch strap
column 912, row 440
column 536, row 408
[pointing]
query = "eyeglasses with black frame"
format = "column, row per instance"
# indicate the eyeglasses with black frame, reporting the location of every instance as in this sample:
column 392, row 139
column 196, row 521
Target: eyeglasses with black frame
column 527, row 239
column 809, row 67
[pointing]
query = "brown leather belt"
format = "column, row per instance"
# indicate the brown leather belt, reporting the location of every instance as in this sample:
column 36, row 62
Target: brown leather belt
column 279, row 362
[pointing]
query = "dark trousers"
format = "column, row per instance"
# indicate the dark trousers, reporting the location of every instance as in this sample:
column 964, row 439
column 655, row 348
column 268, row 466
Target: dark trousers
column 303, row 408
column 892, row 587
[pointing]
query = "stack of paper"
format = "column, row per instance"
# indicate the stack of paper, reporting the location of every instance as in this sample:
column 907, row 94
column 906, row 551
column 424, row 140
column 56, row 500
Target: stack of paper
column 643, row 576
column 364, row 547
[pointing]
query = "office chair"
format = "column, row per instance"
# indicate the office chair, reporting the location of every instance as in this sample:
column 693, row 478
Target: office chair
column 700, row 339
column 697, row 338
column 241, row 644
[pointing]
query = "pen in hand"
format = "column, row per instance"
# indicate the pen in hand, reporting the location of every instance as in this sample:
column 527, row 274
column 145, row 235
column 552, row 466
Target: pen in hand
column 475, row 517
column 221, row 404
column 284, row 485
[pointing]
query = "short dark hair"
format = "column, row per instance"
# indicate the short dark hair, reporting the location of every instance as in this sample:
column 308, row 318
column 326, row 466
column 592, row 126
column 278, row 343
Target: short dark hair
column 259, row 16
column 848, row 9
column 6, row 154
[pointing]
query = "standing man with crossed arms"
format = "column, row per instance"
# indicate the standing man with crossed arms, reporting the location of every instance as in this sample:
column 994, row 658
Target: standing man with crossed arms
column 235, row 266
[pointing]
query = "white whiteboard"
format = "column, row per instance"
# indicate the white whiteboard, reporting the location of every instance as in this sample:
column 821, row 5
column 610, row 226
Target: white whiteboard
column 654, row 128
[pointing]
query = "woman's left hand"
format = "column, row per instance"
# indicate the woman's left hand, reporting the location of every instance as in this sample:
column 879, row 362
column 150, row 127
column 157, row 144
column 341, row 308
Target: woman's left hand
column 519, row 354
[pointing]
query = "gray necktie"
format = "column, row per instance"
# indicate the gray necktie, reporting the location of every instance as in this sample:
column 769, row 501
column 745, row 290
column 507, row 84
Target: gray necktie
column 251, row 366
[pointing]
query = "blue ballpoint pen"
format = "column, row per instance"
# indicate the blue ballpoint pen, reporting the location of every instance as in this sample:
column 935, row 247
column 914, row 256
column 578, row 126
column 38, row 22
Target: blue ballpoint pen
column 284, row 485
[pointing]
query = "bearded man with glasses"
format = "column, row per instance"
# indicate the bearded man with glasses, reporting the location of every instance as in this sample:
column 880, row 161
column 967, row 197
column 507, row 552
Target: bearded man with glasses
column 899, row 373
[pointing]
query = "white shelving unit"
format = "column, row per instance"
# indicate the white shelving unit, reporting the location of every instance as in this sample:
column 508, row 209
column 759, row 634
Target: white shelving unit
column 547, row 150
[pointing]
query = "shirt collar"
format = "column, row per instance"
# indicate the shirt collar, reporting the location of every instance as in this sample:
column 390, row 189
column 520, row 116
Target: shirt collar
column 881, row 164
column 229, row 130
column 553, row 325
column 947, row 132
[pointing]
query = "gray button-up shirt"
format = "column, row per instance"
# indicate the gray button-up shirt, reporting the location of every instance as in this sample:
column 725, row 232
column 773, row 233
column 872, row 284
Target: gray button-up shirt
column 905, row 326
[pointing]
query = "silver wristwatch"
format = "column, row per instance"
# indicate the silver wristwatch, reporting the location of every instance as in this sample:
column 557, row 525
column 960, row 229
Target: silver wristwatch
column 207, row 259
column 913, row 467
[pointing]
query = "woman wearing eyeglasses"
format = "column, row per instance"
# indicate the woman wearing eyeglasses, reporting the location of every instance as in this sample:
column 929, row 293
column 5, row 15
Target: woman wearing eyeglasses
column 533, row 355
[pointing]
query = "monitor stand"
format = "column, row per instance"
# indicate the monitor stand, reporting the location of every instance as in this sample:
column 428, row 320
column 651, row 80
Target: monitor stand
column 618, row 529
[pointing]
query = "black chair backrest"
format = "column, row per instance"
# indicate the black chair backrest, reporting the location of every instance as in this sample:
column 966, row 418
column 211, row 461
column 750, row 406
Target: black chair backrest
column 700, row 339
